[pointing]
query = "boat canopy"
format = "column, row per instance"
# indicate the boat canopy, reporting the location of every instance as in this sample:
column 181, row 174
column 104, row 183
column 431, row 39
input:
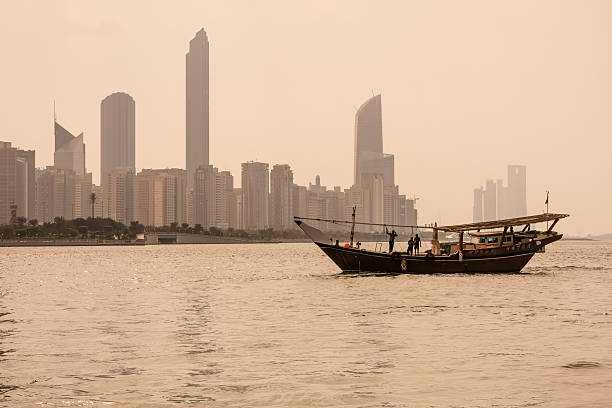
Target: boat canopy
column 509, row 222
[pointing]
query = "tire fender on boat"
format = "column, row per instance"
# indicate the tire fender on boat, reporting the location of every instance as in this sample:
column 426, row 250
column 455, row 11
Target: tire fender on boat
column 429, row 257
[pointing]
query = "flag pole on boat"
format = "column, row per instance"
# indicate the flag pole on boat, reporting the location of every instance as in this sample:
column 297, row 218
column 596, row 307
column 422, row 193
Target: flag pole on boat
column 546, row 207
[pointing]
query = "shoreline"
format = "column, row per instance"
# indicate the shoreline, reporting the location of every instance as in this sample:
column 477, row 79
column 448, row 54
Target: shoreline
column 33, row 244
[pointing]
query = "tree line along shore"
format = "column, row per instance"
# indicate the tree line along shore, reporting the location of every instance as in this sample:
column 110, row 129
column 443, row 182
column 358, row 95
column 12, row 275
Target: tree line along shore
column 106, row 229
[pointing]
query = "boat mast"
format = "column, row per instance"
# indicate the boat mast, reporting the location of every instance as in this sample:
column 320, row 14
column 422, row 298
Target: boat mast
column 353, row 225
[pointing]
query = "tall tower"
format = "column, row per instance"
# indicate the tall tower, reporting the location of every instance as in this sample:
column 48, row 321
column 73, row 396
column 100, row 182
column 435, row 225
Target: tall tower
column 117, row 132
column 197, row 105
column 490, row 201
column 478, row 200
column 69, row 151
column 369, row 156
column 517, row 188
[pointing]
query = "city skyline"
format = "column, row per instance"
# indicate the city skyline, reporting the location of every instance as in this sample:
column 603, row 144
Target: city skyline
column 462, row 108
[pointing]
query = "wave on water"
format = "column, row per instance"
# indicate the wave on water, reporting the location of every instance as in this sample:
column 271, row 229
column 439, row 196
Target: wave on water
column 583, row 364
column 563, row 268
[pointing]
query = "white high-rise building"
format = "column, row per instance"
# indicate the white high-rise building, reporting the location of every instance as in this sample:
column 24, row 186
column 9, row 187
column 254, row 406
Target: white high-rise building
column 516, row 200
column 118, row 192
column 225, row 200
column 197, row 105
column 490, row 201
column 477, row 210
column 204, row 196
column 281, row 197
column 255, row 192
column 159, row 196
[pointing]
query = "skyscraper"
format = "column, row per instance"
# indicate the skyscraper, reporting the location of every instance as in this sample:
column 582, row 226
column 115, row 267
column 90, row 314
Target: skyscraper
column 26, row 183
column 17, row 182
column 69, row 151
column 490, row 201
column 517, row 191
column 8, row 181
column 497, row 201
column 281, row 197
column 477, row 209
column 197, row 103
column 369, row 156
column 255, row 191
column 69, row 156
column 117, row 132
column 226, row 201
column 204, row 196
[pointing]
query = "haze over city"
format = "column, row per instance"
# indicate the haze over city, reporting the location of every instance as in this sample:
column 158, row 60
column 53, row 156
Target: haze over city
column 466, row 90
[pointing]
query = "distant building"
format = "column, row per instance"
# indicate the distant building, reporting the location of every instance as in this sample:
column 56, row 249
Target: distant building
column 396, row 211
column 204, row 196
column 369, row 156
column 69, row 155
column 225, row 216
column 300, row 201
column 497, row 201
column 159, row 196
column 189, row 209
column 55, row 190
column 373, row 185
column 8, row 180
column 117, row 133
column 516, row 200
column 81, row 206
column 478, row 202
column 255, row 191
column 238, row 209
column 17, row 182
column 26, row 183
column 197, row 105
column 69, row 151
column 281, row 197
column 357, row 197
column 118, row 193
column 411, row 213
column 490, row 201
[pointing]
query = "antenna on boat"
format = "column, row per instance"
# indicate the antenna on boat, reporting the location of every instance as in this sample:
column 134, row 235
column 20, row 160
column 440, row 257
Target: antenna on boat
column 353, row 225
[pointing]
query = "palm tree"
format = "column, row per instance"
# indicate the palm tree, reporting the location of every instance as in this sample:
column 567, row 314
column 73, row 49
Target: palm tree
column 92, row 198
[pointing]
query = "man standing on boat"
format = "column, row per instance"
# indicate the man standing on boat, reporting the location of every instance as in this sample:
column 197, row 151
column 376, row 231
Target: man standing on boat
column 417, row 243
column 410, row 246
column 392, row 236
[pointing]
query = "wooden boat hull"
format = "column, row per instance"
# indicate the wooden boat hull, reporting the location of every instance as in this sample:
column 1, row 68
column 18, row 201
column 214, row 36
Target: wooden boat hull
column 355, row 260
column 502, row 259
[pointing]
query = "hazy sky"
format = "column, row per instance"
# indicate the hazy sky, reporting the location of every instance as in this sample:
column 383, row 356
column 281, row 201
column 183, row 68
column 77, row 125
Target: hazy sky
column 467, row 88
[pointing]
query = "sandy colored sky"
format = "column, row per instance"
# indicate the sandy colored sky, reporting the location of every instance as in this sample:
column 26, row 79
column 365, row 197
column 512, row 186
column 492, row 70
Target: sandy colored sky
column 467, row 88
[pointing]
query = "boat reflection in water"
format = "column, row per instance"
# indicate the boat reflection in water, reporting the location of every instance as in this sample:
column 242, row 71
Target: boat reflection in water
column 491, row 251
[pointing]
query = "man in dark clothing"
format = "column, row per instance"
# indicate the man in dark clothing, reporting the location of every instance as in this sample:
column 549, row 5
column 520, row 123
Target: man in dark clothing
column 417, row 243
column 410, row 246
column 392, row 236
